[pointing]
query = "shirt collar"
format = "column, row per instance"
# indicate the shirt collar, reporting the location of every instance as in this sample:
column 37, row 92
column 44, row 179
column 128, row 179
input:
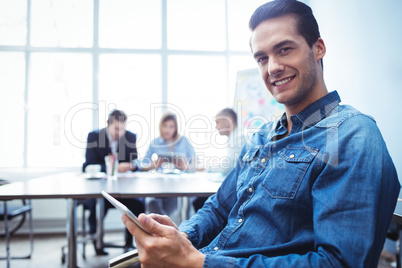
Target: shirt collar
column 312, row 114
column 318, row 110
column 109, row 136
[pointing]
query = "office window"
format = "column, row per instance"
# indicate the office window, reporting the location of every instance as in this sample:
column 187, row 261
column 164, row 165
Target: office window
column 65, row 64
column 59, row 112
column 12, row 79
column 196, row 25
column 239, row 13
column 196, row 94
column 13, row 23
column 130, row 24
column 132, row 83
column 61, row 23
column 199, row 89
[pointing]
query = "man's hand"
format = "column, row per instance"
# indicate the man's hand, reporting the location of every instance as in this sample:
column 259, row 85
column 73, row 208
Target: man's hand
column 163, row 219
column 124, row 167
column 166, row 246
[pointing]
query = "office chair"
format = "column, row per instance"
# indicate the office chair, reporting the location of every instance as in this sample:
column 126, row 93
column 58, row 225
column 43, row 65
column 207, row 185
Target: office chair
column 7, row 214
column 83, row 239
column 394, row 235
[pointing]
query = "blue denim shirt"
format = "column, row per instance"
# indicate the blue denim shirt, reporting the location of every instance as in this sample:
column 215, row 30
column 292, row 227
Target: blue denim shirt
column 321, row 197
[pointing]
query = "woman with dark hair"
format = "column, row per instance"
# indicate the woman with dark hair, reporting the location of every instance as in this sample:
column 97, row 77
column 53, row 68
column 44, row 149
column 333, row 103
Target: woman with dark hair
column 169, row 142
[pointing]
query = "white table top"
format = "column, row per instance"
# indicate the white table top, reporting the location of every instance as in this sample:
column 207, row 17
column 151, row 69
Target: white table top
column 131, row 184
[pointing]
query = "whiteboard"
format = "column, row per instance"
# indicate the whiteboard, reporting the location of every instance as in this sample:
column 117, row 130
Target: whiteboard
column 254, row 104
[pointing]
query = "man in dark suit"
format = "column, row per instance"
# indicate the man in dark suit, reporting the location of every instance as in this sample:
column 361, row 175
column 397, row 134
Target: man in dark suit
column 117, row 140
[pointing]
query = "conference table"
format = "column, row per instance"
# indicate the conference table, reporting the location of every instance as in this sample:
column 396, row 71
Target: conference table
column 76, row 186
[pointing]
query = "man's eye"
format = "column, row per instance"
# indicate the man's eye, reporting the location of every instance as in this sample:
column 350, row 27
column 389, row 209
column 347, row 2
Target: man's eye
column 261, row 60
column 284, row 50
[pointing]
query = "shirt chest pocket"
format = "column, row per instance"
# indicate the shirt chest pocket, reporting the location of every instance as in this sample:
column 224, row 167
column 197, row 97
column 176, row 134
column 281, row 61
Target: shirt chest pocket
column 248, row 163
column 287, row 172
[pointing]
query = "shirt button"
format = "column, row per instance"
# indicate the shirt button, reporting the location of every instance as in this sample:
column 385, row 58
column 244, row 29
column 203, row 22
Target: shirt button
column 291, row 156
column 250, row 190
column 216, row 248
column 263, row 160
column 240, row 220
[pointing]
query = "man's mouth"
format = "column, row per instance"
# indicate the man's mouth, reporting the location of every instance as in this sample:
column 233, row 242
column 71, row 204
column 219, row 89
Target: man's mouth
column 283, row 81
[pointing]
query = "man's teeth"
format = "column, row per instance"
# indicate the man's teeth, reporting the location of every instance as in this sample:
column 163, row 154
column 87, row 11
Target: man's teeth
column 282, row 82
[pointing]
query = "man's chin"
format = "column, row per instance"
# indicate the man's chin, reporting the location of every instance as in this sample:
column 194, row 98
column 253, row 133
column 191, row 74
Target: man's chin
column 282, row 97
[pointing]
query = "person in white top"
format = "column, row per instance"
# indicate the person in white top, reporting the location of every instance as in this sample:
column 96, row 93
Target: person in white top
column 226, row 124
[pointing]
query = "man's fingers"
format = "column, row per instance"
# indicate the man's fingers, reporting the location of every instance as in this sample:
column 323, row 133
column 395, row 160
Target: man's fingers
column 153, row 227
column 163, row 219
column 132, row 227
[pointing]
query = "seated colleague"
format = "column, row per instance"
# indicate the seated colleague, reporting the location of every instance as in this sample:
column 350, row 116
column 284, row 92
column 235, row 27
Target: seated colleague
column 169, row 141
column 112, row 139
column 226, row 124
column 316, row 188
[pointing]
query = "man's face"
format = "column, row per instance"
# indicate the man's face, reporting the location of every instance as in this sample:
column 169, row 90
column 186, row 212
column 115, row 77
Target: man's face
column 117, row 129
column 223, row 124
column 288, row 66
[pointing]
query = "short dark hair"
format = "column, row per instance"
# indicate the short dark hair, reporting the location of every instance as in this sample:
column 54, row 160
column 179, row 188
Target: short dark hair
column 306, row 23
column 117, row 115
column 230, row 113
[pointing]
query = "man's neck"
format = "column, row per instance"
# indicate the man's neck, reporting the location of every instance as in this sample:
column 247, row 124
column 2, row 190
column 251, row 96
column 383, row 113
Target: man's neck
column 111, row 139
column 232, row 130
column 297, row 108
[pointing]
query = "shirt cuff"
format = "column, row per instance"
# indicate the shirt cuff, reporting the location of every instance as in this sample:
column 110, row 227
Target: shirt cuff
column 136, row 165
column 218, row 261
column 192, row 234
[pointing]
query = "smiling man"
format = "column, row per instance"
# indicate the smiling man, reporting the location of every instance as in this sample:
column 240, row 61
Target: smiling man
column 316, row 188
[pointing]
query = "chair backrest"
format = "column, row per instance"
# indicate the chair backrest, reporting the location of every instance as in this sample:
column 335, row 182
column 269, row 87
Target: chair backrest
column 3, row 182
column 14, row 211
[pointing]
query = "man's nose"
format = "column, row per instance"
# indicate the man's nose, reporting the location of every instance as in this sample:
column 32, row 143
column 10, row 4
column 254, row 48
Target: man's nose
column 274, row 66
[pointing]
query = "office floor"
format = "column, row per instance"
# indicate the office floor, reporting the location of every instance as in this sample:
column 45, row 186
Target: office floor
column 47, row 252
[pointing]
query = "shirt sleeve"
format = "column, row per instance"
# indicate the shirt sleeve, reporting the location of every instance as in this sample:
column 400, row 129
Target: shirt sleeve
column 353, row 195
column 146, row 161
column 92, row 152
column 189, row 150
column 208, row 222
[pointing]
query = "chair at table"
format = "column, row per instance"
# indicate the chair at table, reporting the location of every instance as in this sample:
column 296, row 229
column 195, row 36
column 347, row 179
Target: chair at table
column 20, row 212
column 394, row 235
column 83, row 239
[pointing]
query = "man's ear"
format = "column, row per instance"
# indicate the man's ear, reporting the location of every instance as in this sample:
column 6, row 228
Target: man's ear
column 320, row 49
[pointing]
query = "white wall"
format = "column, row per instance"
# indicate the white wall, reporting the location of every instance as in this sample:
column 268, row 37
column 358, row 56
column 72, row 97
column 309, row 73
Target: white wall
column 364, row 60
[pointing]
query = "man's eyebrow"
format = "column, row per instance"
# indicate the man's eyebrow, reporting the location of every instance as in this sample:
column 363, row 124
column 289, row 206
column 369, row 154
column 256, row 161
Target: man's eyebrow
column 283, row 43
column 258, row 54
column 276, row 46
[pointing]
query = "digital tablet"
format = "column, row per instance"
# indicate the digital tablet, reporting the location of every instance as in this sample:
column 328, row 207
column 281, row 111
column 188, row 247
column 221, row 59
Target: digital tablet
column 123, row 209
column 171, row 157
